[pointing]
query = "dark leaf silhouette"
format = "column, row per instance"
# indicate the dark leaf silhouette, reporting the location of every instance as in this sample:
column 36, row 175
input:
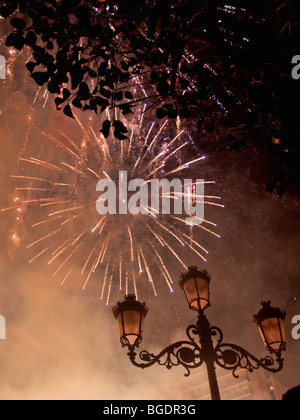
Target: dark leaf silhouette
column 161, row 113
column 31, row 66
column 68, row 111
column 106, row 93
column 76, row 102
column 106, row 128
column 66, row 94
column 84, row 92
column 15, row 40
column 128, row 95
column 58, row 101
column 76, row 74
column 119, row 126
column 30, row 39
column 54, row 85
column 102, row 69
column 120, row 130
column 119, row 135
column 40, row 77
column 18, row 24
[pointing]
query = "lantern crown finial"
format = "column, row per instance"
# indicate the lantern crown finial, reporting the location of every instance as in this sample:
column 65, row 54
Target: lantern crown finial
column 268, row 311
column 130, row 303
column 194, row 272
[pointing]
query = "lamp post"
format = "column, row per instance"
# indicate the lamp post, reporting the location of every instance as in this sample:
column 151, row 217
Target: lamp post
column 205, row 342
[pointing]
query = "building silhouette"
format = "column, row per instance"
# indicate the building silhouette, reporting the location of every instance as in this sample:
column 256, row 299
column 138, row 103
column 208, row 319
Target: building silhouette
column 258, row 385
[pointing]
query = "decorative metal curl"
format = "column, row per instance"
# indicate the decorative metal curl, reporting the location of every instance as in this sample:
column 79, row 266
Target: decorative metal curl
column 233, row 357
column 185, row 353
column 190, row 355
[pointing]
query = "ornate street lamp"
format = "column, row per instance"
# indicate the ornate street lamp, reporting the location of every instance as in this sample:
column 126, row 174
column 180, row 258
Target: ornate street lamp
column 205, row 343
column 195, row 284
column 130, row 316
column 270, row 322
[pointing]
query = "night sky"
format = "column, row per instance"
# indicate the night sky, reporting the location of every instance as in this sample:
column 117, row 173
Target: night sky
column 62, row 341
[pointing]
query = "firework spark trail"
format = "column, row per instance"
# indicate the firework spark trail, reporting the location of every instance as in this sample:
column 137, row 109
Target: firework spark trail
column 185, row 166
column 10, row 208
column 134, row 282
column 198, row 225
column 67, row 259
column 72, row 168
column 98, row 225
column 94, row 173
column 131, row 243
column 170, row 232
column 67, row 210
column 70, row 141
column 109, row 289
column 60, row 184
column 31, row 189
column 90, row 273
column 138, row 160
column 98, row 259
column 60, row 251
column 88, row 259
column 173, row 252
column 190, row 239
column 155, row 170
column 46, row 221
column 149, row 148
column 31, row 178
column 120, row 272
column 210, row 203
column 168, row 277
column 148, row 271
column 39, row 254
column 195, row 251
column 42, row 163
column 180, row 194
column 68, row 275
column 139, row 261
column 62, row 145
column 184, row 242
column 105, row 279
column 45, row 237
column 166, row 147
column 156, row 235
column 175, row 151
column 45, row 96
column 130, row 143
column 149, row 210
column 105, row 249
column 55, row 202
column 126, row 282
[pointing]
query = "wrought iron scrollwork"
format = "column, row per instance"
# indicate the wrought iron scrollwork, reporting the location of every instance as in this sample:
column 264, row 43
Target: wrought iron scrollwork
column 185, row 353
column 233, row 357
column 190, row 354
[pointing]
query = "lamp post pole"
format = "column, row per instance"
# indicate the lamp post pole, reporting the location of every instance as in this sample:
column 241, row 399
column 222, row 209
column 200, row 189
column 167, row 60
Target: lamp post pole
column 204, row 343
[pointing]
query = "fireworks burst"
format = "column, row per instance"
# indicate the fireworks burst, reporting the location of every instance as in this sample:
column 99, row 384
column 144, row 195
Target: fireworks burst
column 56, row 197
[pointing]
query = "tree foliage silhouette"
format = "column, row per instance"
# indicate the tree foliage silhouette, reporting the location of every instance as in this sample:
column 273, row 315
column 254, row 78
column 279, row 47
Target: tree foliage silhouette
column 194, row 58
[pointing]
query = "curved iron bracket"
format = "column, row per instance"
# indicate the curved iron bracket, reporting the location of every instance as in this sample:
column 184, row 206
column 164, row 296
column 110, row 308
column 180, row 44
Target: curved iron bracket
column 185, row 353
column 232, row 357
column 190, row 355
